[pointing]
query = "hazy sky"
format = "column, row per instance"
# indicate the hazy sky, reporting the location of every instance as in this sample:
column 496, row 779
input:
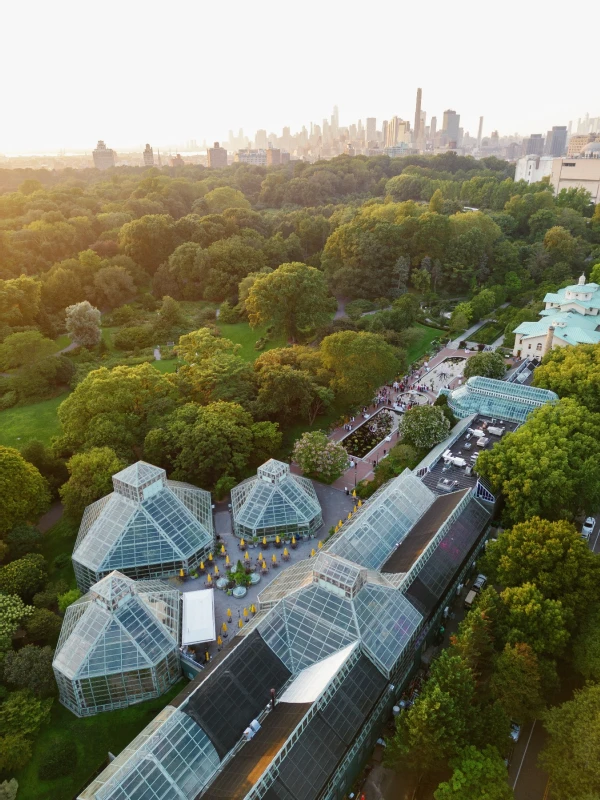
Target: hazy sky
column 129, row 72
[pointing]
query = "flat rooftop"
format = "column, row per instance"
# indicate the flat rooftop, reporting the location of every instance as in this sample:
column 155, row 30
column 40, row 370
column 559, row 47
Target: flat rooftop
column 444, row 478
column 411, row 547
column 252, row 760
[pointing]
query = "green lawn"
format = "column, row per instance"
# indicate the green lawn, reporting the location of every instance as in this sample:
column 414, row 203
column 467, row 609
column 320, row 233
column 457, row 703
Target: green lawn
column 242, row 333
column 107, row 337
column 35, row 421
column 62, row 342
column 418, row 349
column 166, row 365
column 95, row 738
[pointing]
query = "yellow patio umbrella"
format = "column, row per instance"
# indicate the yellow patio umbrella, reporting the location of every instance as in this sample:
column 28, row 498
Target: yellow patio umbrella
column 253, row 609
column 216, row 571
column 293, row 540
column 222, row 549
column 209, row 578
column 353, row 492
column 206, row 657
column 202, row 565
column 219, row 641
column 224, row 627
column 227, row 560
column 240, row 623
column 246, row 556
column 245, row 613
column 349, row 515
column 274, row 558
column 260, row 557
column 181, row 573
column 320, row 545
column 313, row 552
column 340, row 523
column 285, row 551
column 264, row 541
column 277, row 539
column 228, row 616
column 359, row 504
column 354, row 510
column 242, row 542
column 264, row 564
column 210, row 556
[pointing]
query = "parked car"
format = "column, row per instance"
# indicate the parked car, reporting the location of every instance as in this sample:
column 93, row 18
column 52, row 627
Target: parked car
column 515, row 731
column 588, row 527
column 470, row 599
column 479, row 583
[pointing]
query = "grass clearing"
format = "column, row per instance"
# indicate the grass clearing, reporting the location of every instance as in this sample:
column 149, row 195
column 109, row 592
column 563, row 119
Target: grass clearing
column 241, row 333
column 62, row 341
column 165, row 365
column 421, row 347
column 21, row 424
column 94, row 736
column 488, row 333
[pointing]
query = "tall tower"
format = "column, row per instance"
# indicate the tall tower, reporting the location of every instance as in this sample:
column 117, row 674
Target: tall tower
column 480, row 132
column 417, row 129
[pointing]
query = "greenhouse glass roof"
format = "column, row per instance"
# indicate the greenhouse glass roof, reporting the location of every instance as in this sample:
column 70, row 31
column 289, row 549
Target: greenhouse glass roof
column 115, row 629
column 275, row 498
column 498, row 399
column 369, row 539
column 146, row 520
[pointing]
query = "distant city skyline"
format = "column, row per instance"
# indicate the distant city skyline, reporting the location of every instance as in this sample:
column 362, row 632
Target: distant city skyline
column 128, row 77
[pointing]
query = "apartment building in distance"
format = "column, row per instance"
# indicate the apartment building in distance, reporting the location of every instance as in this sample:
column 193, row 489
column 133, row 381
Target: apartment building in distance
column 533, row 168
column 148, row 155
column 216, row 156
column 104, row 157
column 257, row 157
column 579, row 141
column 579, row 172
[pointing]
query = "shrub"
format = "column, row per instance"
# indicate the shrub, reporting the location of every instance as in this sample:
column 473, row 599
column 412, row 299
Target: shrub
column 58, row 759
column 137, row 336
column 61, row 561
column 227, row 314
column 65, row 600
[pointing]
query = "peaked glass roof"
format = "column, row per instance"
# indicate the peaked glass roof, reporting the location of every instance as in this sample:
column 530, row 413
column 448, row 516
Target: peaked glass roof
column 498, row 399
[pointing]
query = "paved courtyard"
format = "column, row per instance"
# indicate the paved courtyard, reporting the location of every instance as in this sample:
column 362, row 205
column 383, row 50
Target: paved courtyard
column 335, row 506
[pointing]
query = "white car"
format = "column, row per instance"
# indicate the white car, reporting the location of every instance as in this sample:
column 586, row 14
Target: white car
column 515, row 731
column 588, row 527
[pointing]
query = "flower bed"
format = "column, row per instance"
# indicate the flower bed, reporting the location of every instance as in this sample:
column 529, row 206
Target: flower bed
column 374, row 430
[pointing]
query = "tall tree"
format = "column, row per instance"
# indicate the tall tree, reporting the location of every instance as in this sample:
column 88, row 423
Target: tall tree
column 424, row 426
column 293, row 298
column 477, row 775
column 516, row 682
column 83, row 324
column 572, row 372
column 488, row 365
column 24, row 492
column 90, row 478
column 532, row 619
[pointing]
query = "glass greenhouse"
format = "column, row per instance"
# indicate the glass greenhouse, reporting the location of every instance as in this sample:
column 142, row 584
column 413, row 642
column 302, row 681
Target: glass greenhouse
column 497, row 399
column 148, row 527
column 275, row 502
column 118, row 645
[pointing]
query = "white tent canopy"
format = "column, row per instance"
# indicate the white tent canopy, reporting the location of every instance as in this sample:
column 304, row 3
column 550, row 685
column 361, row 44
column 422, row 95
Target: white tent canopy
column 198, row 617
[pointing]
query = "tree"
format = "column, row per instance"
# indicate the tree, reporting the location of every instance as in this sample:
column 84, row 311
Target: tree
column 571, row 755
column 489, row 365
column 475, row 645
column 23, row 539
column 550, row 466
column 407, row 307
column 229, row 261
column 90, row 478
column 437, row 202
column 23, row 714
column 317, row 455
column 572, row 372
column 288, row 394
column 12, row 612
column 586, row 646
column 532, row 619
column 561, row 245
column 477, row 775
column 113, row 285
column 516, row 682
column 203, row 443
column 24, row 348
column 424, row 426
column 421, row 280
column 149, row 240
column 223, row 376
column 31, row 668
column 83, row 324
column 551, row 555
column 461, row 316
column 293, row 298
column 53, row 469
column 360, row 362
column 24, row 492
column 115, row 408
column 25, row 576
column 67, row 599
column 482, row 303
column 15, row 752
column 225, row 197
column 204, row 343
column 43, row 626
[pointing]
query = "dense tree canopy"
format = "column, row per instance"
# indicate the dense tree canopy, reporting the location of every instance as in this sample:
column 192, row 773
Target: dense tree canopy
column 24, row 491
column 488, row 365
column 90, row 478
column 572, row 372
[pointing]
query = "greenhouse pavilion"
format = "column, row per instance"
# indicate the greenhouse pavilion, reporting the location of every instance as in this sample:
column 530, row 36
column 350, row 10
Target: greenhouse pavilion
column 118, row 645
column 275, row 502
column 149, row 527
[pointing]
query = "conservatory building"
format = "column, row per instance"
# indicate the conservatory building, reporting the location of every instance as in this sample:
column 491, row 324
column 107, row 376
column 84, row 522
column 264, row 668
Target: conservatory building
column 499, row 400
column 275, row 502
column 148, row 527
column 292, row 706
column 118, row 645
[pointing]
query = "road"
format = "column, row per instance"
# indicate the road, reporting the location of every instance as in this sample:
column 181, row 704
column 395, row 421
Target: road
column 528, row 782
column 595, row 537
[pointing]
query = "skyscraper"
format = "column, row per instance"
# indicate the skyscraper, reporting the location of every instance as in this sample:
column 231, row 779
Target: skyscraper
column 451, row 126
column 480, row 132
column 371, row 129
column 260, row 140
column 433, row 127
column 104, row 157
column 217, row 156
column 534, row 145
column 148, row 156
column 556, row 141
column 417, row 128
